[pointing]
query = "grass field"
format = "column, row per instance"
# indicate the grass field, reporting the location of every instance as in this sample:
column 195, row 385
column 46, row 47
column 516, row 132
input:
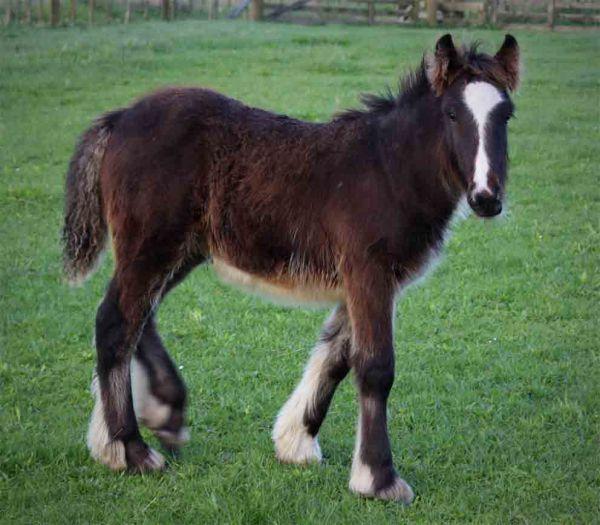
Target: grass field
column 495, row 413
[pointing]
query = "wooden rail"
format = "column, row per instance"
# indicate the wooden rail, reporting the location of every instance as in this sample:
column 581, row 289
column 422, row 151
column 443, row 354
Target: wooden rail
column 432, row 12
column 489, row 12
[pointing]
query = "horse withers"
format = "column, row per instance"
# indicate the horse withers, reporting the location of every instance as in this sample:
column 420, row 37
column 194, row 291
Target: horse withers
column 347, row 212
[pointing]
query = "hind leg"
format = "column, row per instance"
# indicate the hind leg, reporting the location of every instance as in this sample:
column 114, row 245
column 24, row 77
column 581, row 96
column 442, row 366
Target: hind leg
column 298, row 423
column 114, row 438
column 159, row 393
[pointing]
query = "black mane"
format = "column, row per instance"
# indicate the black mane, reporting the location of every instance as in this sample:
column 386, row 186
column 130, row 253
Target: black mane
column 411, row 86
column 415, row 84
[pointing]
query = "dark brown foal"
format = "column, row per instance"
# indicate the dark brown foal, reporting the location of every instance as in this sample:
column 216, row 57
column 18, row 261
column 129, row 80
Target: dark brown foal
column 349, row 212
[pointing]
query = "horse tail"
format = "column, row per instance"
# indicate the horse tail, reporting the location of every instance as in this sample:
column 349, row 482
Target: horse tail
column 85, row 230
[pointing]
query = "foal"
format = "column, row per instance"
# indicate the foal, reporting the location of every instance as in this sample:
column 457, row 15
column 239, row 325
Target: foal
column 349, row 211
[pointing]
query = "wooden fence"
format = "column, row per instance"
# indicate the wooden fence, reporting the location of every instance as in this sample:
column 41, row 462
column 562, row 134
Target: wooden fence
column 57, row 12
column 432, row 12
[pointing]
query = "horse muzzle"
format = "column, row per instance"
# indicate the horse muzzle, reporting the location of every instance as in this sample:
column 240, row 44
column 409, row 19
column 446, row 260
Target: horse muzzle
column 485, row 204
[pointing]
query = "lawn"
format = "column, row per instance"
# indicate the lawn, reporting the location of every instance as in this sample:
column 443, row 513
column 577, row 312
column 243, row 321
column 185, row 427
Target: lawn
column 495, row 412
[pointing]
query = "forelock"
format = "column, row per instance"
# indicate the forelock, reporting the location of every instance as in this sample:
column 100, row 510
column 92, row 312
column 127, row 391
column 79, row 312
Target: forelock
column 483, row 66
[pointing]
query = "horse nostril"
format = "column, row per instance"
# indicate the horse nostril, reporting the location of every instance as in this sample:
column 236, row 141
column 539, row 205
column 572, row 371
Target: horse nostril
column 496, row 207
column 484, row 198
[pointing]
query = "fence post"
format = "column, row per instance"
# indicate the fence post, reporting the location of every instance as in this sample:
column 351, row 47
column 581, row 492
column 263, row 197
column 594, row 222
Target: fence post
column 73, row 10
column 432, row 12
column 414, row 12
column 27, row 16
column 256, row 10
column 371, row 12
column 8, row 12
column 166, row 9
column 213, row 9
column 493, row 13
column 484, row 17
column 551, row 13
column 54, row 12
column 127, row 16
column 91, row 6
column 41, row 11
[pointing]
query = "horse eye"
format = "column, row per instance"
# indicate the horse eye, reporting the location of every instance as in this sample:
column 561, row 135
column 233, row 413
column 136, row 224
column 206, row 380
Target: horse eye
column 452, row 114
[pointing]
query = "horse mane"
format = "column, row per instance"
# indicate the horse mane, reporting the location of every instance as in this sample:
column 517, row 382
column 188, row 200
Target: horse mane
column 412, row 85
column 416, row 83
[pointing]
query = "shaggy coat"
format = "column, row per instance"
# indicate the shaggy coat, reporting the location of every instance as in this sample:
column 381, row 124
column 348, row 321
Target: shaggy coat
column 346, row 212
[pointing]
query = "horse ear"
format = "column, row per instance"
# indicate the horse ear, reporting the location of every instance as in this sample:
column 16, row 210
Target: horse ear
column 508, row 56
column 443, row 65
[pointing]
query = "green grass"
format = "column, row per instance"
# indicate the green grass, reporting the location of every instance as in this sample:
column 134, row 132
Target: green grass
column 495, row 413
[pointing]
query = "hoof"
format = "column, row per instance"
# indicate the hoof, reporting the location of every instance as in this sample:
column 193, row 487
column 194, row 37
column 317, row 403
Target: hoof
column 293, row 443
column 173, row 440
column 102, row 448
column 297, row 447
column 362, row 482
column 111, row 454
column 143, row 459
column 399, row 490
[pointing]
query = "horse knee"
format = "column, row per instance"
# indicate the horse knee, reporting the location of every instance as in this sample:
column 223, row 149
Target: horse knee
column 375, row 374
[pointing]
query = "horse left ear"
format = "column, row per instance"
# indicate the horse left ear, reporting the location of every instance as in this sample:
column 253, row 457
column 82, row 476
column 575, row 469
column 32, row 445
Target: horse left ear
column 508, row 56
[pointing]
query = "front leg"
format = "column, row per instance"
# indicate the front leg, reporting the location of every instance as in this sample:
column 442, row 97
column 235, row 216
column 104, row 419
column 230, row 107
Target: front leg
column 370, row 302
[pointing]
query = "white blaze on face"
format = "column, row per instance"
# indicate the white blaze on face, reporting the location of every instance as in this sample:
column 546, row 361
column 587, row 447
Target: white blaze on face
column 481, row 98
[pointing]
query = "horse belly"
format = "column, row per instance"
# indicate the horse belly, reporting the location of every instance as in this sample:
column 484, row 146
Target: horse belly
column 282, row 291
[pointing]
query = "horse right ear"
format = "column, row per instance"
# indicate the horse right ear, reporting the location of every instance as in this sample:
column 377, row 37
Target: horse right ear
column 443, row 65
